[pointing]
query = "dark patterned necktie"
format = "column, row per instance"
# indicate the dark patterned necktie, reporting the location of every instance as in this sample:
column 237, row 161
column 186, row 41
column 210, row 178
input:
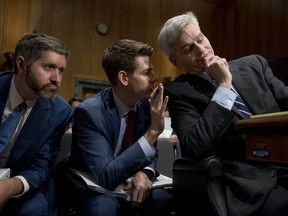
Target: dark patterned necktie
column 127, row 138
column 242, row 108
column 8, row 127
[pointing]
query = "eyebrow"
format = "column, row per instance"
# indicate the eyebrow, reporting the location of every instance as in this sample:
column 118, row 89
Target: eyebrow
column 197, row 37
column 149, row 69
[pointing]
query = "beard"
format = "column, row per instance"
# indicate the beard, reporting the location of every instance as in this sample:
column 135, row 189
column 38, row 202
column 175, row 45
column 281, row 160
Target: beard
column 43, row 91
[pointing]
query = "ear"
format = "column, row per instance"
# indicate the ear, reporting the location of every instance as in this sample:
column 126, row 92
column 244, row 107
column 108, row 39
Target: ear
column 20, row 64
column 123, row 78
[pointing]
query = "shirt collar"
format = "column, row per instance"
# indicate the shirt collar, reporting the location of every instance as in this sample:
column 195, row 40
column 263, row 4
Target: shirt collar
column 15, row 98
column 207, row 77
column 122, row 108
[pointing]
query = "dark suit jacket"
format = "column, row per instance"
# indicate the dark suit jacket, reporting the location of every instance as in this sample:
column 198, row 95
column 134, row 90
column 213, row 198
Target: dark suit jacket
column 37, row 145
column 95, row 134
column 205, row 128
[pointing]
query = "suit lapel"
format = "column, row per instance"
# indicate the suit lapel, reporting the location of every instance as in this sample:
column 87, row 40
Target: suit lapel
column 113, row 113
column 241, row 81
column 201, row 85
column 4, row 90
column 36, row 124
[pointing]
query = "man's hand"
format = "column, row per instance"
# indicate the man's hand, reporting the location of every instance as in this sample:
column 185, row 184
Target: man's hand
column 8, row 188
column 218, row 69
column 158, row 107
column 141, row 187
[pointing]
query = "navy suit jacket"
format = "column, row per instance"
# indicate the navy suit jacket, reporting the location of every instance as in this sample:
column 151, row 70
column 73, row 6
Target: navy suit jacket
column 38, row 143
column 95, row 134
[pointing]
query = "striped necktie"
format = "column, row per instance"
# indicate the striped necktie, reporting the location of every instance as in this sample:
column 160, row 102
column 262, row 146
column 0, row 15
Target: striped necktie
column 8, row 127
column 240, row 105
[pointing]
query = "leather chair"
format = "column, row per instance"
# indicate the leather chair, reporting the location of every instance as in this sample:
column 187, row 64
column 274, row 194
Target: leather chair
column 199, row 187
column 66, row 197
column 65, row 147
column 166, row 157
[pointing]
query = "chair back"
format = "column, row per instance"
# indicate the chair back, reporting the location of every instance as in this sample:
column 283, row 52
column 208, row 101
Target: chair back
column 199, row 187
column 65, row 147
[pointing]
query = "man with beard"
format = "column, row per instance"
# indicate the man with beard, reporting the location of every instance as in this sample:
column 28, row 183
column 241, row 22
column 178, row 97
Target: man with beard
column 31, row 148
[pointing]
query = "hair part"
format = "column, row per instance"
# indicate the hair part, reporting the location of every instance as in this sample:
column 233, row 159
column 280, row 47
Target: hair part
column 172, row 29
column 121, row 55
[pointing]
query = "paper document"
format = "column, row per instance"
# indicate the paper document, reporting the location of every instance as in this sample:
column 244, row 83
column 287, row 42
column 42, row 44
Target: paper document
column 167, row 132
column 4, row 173
column 160, row 181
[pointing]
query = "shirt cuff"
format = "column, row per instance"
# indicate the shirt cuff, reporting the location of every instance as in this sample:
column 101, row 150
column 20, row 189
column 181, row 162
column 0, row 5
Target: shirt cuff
column 224, row 97
column 25, row 185
column 148, row 150
column 150, row 173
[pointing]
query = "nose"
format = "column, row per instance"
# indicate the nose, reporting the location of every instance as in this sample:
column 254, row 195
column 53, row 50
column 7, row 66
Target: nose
column 154, row 77
column 199, row 48
column 56, row 76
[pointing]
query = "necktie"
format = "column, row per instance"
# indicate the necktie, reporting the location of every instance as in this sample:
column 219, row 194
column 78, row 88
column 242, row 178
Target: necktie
column 242, row 108
column 8, row 127
column 128, row 131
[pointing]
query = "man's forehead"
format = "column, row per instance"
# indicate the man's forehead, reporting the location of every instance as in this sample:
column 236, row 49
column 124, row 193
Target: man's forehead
column 190, row 32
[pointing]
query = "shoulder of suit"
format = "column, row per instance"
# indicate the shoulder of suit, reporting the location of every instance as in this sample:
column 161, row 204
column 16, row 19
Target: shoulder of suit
column 248, row 58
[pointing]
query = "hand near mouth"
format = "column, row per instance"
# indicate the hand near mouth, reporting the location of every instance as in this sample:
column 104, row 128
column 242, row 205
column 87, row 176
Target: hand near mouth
column 218, row 69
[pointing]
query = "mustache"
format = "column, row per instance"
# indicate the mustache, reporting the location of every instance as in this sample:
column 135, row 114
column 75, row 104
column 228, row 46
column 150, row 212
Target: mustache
column 53, row 83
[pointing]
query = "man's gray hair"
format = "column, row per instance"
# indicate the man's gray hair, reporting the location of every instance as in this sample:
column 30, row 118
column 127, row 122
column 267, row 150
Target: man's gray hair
column 172, row 29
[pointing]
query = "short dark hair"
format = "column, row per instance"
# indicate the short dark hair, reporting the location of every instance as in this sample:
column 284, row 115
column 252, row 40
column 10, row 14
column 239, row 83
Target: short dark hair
column 121, row 55
column 32, row 46
column 71, row 100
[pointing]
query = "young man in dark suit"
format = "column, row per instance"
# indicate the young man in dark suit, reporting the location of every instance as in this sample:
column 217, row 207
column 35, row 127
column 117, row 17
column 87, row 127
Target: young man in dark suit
column 203, row 108
column 32, row 148
column 98, row 134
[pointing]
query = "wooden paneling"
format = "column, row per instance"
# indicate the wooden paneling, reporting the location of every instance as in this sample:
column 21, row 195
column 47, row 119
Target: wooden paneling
column 14, row 23
column 261, row 27
column 234, row 28
column 75, row 23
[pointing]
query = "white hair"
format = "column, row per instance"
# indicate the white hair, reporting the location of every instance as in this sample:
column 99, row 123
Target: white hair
column 172, row 29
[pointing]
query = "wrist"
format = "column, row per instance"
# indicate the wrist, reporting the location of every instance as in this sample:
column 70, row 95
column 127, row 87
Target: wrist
column 151, row 136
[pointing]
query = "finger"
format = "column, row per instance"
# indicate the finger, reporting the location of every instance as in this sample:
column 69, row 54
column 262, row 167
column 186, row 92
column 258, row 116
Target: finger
column 128, row 186
column 164, row 104
column 226, row 63
column 157, row 97
column 153, row 96
column 156, row 91
column 135, row 195
column 141, row 196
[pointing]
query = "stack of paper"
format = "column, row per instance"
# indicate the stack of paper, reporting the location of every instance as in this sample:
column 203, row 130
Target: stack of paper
column 4, row 173
column 167, row 132
column 161, row 181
